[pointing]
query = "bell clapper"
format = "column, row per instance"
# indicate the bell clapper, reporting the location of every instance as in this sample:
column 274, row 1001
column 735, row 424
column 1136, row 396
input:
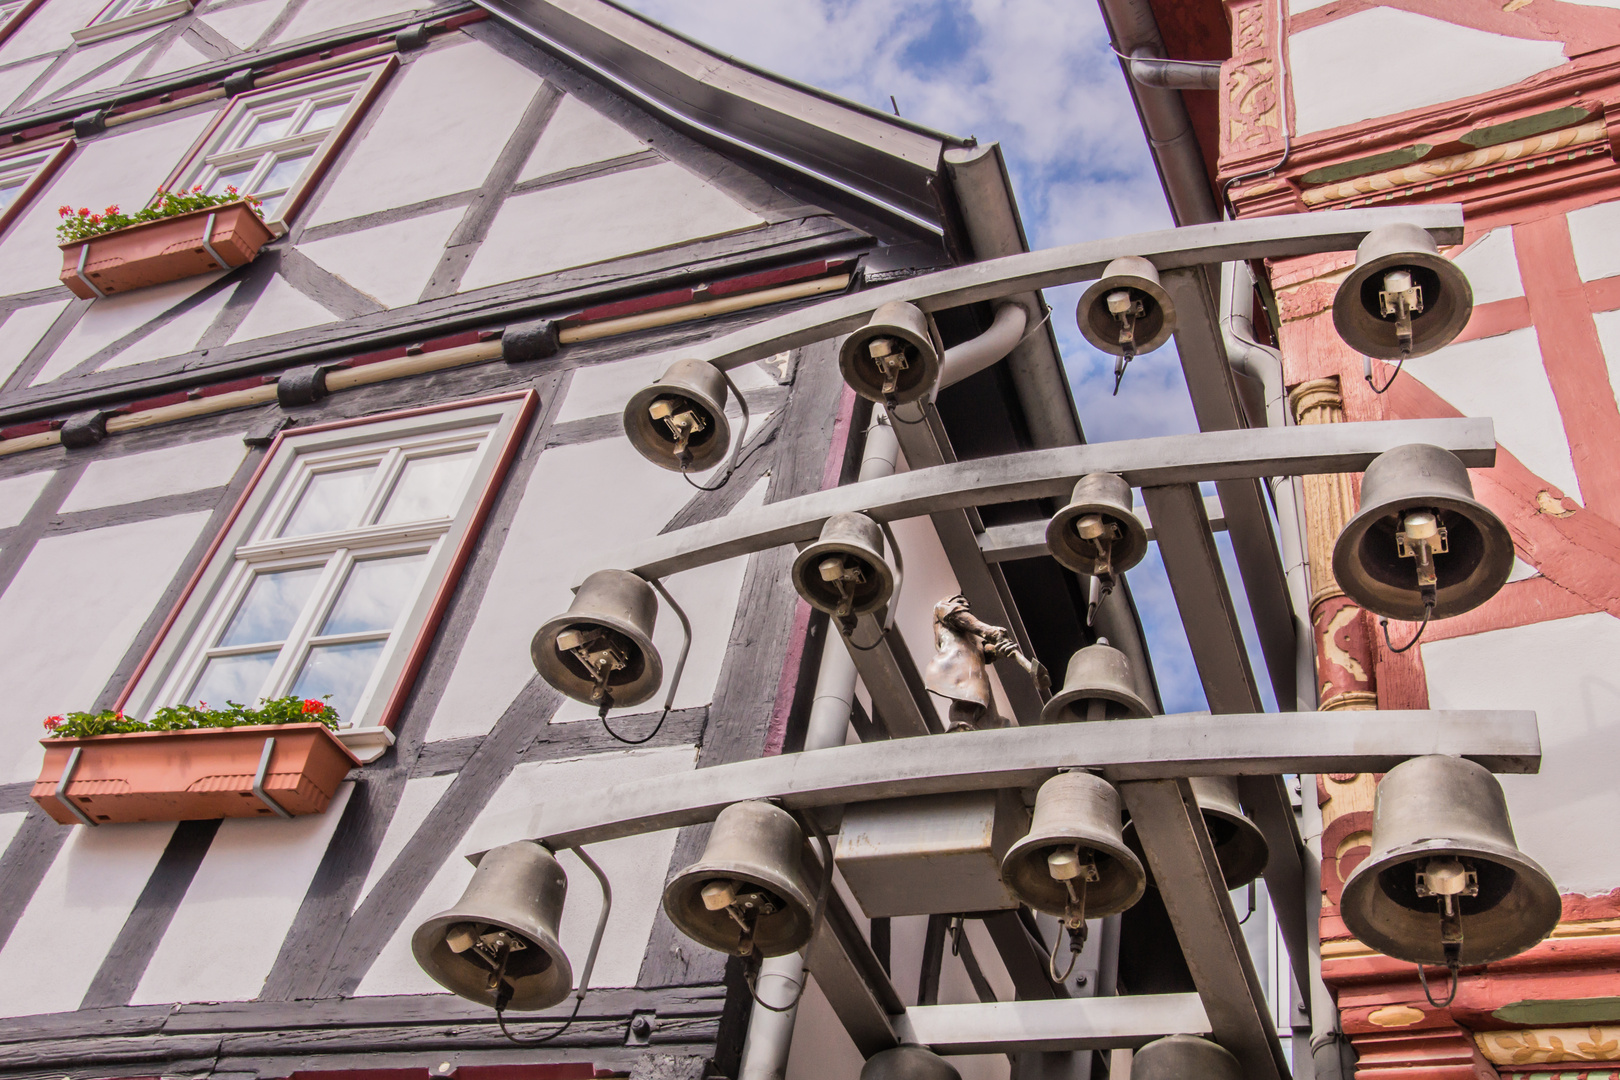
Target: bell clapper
column 745, row 903
column 598, row 653
column 1422, row 537
column 1076, row 869
column 889, row 356
column 683, row 421
column 1126, row 308
column 1400, row 299
column 1445, row 880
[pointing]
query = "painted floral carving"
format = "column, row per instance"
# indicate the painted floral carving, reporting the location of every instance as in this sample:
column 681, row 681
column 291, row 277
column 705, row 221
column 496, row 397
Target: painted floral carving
column 1543, row 1046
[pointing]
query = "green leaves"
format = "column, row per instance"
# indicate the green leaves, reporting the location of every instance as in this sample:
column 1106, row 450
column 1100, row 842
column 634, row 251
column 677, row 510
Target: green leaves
column 287, row 710
column 81, row 224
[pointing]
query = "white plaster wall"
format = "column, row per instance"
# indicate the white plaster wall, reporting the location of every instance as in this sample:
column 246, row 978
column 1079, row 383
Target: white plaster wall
column 1492, row 266
column 1382, row 61
column 178, row 335
column 111, row 77
column 108, row 320
column 1501, row 377
column 244, row 24
column 83, row 61
column 47, row 30
column 22, row 331
column 390, row 263
column 1564, row 670
column 179, row 56
column 1592, row 231
column 279, row 310
column 603, row 389
column 75, row 915
column 440, row 131
column 226, row 933
column 577, row 135
column 124, row 169
column 171, row 471
column 18, row 493
column 419, row 798
column 581, row 501
column 1608, row 330
column 319, row 16
column 601, row 218
column 635, row 867
column 13, row 81
column 9, row 824
column 69, row 616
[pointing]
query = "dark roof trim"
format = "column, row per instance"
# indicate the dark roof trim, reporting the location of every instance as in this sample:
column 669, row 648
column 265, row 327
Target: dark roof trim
column 886, row 162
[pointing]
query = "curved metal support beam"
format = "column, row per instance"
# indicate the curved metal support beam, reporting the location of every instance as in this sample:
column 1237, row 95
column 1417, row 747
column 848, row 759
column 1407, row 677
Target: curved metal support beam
column 1195, row 245
column 1155, row 748
column 1036, row 474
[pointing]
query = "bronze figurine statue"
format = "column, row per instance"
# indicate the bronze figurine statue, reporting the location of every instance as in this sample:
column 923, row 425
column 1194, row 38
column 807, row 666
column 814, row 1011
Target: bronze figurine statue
column 963, row 643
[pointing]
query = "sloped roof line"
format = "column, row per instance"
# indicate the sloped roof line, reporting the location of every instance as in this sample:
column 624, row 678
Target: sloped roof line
column 886, row 162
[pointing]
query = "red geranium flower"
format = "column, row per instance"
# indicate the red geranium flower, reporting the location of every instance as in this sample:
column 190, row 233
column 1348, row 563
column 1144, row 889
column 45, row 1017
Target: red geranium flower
column 84, row 211
column 52, row 722
column 313, row 706
column 64, row 211
column 113, row 209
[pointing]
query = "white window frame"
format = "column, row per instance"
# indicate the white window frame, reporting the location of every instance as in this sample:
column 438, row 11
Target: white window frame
column 123, row 16
column 34, row 164
column 248, row 546
column 220, row 146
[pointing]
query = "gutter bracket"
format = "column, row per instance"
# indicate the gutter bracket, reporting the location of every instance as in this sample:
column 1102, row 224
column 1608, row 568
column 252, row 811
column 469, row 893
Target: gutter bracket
column 261, row 774
column 85, row 430
column 536, row 340
column 239, row 82
column 302, row 385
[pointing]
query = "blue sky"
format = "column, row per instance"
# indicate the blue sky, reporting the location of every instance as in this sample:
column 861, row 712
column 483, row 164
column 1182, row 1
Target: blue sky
column 1038, row 77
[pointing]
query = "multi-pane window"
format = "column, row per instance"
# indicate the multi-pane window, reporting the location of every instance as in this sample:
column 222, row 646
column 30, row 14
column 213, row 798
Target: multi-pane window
column 24, row 171
column 270, row 142
column 323, row 585
column 122, row 16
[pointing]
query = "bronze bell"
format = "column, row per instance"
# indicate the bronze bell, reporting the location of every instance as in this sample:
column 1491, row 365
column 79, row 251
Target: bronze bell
column 1420, row 537
column 498, row 944
column 1240, row 846
column 844, row 573
column 1097, row 534
column 1074, row 863
column 679, row 422
column 908, row 1063
column 1445, row 880
column 893, row 358
column 1184, row 1057
column 1403, row 298
column 1127, row 312
column 601, row 651
column 1097, row 686
column 748, row 892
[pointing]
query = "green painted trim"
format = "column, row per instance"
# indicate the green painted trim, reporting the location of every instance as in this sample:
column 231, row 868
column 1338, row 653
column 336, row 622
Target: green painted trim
column 1390, row 159
column 1603, row 1010
column 1525, row 126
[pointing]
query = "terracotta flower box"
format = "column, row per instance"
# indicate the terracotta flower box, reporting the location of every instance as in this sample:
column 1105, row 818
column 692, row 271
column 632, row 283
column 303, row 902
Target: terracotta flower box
column 190, row 775
column 156, row 252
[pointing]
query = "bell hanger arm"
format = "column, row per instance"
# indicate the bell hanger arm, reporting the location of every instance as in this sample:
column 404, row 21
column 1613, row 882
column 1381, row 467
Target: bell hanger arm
column 1152, row 748
column 992, row 279
column 1174, row 459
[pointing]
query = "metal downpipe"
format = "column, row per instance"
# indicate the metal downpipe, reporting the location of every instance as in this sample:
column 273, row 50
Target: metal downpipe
column 973, row 356
column 770, row 1033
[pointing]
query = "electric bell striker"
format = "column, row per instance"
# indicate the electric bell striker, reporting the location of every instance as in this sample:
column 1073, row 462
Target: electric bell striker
column 679, row 422
column 908, row 1063
column 1183, row 1057
column 498, row 944
column 844, row 572
column 601, row 651
column 1403, row 298
column 1421, row 545
column 1127, row 312
column 1446, row 882
column 1097, row 686
column 1098, row 533
column 748, row 893
column 1074, row 862
column 893, row 358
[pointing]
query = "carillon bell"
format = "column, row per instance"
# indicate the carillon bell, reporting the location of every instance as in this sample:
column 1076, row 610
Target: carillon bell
column 498, row 945
column 1127, row 312
column 908, row 1063
column 891, row 359
column 1184, row 1057
column 1097, row 686
column 601, row 651
column 748, row 892
column 679, row 422
column 1403, row 298
column 1074, row 863
column 1240, row 846
column 1097, row 533
column 1421, row 539
column 844, row 573
column 1446, row 882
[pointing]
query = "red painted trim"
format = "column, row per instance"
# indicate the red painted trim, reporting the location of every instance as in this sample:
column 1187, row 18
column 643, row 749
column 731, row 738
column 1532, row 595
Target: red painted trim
column 1603, row 294
column 1581, row 29
column 1532, row 600
column 1573, row 358
column 451, row 580
column 18, row 17
column 236, row 511
column 36, row 183
column 1497, row 317
column 456, row 22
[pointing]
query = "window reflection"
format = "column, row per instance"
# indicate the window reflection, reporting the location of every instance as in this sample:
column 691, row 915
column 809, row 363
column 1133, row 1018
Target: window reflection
column 374, row 595
column 340, row 671
column 331, row 500
column 233, row 678
column 270, row 607
column 426, row 488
